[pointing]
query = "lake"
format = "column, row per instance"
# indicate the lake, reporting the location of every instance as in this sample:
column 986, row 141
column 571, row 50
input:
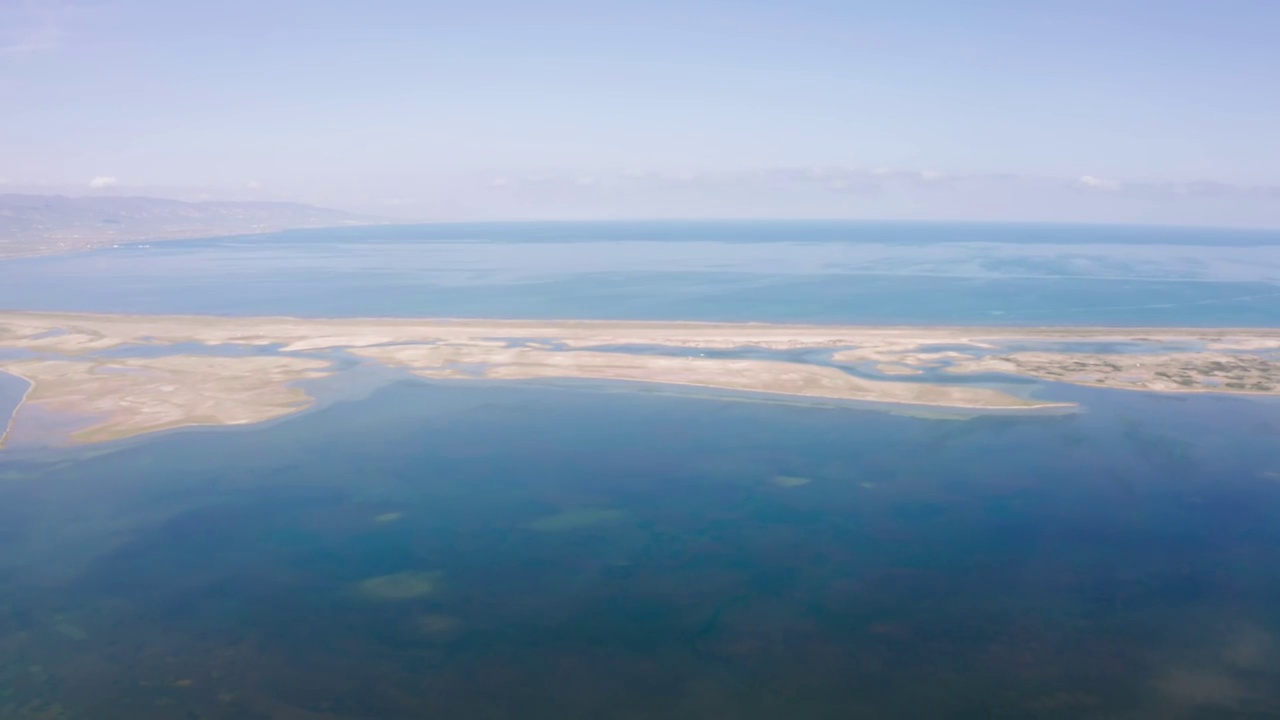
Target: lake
column 826, row 272
column 412, row 549
column 437, row 550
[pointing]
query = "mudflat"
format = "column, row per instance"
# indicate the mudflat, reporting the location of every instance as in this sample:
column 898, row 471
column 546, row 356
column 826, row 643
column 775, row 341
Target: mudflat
column 132, row 374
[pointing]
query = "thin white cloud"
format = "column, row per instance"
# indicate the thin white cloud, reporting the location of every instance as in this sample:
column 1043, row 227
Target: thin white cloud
column 1097, row 183
column 103, row 181
column 253, row 185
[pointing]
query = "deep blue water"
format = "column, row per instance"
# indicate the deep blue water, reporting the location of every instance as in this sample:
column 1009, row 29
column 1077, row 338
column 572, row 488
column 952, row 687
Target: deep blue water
column 628, row 555
column 901, row 273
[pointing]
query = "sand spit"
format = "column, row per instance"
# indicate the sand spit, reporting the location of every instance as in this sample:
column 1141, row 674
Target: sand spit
column 761, row 376
column 121, row 398
column 62, row 355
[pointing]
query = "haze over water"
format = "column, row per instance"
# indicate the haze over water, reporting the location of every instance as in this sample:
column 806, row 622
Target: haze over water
column 598, row 550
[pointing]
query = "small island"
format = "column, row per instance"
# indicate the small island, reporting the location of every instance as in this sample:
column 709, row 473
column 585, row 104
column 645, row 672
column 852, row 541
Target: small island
column 125, row 375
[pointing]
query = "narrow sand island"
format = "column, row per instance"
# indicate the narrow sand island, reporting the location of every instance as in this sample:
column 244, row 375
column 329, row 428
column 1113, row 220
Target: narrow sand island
column 128, row 374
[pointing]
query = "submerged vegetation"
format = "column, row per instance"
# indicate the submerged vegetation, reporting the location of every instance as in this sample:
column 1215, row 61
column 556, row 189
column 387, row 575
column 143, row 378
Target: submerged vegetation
column 790, row 481
column 575, row 519
column 475, row 562
column 400, row 586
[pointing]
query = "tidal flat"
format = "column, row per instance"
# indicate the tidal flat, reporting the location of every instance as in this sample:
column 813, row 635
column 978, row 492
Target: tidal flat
column 126, row 375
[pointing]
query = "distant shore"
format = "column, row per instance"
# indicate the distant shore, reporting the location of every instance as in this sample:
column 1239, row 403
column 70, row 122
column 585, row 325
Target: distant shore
column 138, row 388
column 48, row 246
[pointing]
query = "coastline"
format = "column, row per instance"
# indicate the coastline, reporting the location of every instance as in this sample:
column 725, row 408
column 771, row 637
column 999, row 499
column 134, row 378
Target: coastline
column 136, row 396
column 1126, row 331
column 12, row 420
column 115, row 367
column 91, row 244
column 1032, row 406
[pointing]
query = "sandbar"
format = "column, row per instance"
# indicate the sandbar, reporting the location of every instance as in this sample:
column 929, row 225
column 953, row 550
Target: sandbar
column 114, row 370
column 125, row 397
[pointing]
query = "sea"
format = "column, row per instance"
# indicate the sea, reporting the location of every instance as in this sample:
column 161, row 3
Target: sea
column 431, row 549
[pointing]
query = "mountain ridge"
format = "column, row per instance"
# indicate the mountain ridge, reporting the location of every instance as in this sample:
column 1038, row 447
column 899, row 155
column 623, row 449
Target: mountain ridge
column 43, row 224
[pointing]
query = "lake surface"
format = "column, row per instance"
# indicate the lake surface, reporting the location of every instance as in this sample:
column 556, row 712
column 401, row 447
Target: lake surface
column 571, row 550
column 830, row 272
column 470, row 551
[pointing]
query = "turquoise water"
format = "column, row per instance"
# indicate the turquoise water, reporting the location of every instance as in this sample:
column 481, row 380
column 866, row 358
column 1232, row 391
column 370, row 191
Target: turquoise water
column 899, row 273
column 562, row 553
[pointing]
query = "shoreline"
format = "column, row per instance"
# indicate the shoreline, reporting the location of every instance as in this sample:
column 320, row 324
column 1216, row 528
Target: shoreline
column 13, row 416
column 1020, row 331
column 187, row 236
column 138, row 396
column 137, row 374
column 1033, row 407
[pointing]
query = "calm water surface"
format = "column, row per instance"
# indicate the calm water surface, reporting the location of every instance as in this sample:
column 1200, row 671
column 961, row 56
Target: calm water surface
column 415, row 550
column 900, row 273
column 521, row 551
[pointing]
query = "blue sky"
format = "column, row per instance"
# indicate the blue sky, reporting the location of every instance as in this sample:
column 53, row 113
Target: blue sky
column 1088, row 110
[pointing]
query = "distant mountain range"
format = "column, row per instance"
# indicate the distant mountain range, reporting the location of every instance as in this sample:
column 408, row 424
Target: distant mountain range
column 39, row 224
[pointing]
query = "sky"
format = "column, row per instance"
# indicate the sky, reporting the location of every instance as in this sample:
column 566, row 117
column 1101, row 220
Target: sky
column 1091, row 110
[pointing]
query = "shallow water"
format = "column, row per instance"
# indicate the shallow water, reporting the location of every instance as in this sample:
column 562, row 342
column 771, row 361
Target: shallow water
column 450, row 550
column 12, row 390
column 835, row 272
column 186, row 348
column 606, row 550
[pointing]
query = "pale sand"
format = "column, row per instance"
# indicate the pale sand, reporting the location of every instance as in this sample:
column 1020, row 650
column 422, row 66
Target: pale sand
column 132, row 396
column 764, row 376
column 1206, row 371
column 87, row 331
column 143, row 395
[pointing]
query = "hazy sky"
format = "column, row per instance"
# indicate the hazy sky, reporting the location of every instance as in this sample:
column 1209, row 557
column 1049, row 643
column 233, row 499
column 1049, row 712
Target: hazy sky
column 1130, row 110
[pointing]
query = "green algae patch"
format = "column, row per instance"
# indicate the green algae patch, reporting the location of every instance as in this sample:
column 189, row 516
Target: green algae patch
column 438, row 626
column 66, row 629
column 575, row 519
column 399, row 586
column 790, row 481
